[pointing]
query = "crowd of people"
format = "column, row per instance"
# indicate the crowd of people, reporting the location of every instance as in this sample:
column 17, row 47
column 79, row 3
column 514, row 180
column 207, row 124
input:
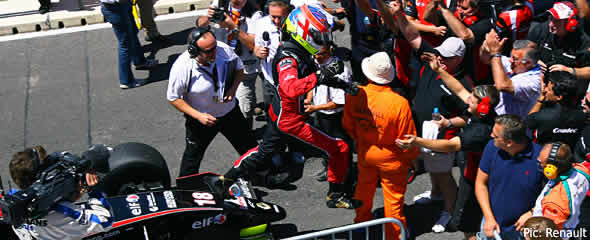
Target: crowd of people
column 497, row 88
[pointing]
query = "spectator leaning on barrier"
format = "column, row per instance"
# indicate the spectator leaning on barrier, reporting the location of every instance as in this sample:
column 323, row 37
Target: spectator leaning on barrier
column 430, row 93
column 568, row 183
column 518, row 78
column 375, row 118
column 472, row 139
column 200, row 86
column 556, row 116
column 265, row 49
column 562, row 44
column 237, row 31
column 118, row 13
column 508, row 180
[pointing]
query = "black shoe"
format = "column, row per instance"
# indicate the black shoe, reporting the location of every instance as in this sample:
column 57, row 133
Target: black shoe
column 159, row 38
column 322, row 176
column 149, row 64
column 341, row 200
column 277, row 180
column 43, row 9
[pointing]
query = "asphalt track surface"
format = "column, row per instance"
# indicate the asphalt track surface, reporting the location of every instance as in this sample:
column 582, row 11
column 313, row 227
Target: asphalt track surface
column 62, row 92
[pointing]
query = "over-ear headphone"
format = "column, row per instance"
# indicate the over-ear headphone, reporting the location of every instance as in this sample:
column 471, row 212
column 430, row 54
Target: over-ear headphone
column 572, row 21
column 468, row 20
column 551, row 170
column 483, row 107
column 196, row 34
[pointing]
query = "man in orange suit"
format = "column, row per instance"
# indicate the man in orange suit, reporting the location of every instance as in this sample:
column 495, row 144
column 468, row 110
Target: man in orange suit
column 375, row 118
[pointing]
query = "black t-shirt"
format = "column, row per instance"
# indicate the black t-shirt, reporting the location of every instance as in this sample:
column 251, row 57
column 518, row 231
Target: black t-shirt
column 473, row 65
column 573, row 52
column 476, row 134
column 431, row 92
column 557, row 123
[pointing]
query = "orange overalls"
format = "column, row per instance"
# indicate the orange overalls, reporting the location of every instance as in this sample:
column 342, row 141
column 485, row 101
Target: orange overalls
column 375, row 118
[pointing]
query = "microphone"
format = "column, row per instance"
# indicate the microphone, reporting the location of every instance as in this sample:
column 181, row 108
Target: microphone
column 266, row 38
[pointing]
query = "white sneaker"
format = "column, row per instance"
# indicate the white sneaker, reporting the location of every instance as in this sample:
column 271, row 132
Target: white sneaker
column 442, row 222
column 426, row 198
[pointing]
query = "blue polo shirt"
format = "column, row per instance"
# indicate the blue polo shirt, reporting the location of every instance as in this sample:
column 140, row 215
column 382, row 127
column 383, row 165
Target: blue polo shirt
column 514, row 182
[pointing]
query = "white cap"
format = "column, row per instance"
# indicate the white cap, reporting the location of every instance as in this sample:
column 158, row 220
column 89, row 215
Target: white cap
column 451, row 47
column 378, row 68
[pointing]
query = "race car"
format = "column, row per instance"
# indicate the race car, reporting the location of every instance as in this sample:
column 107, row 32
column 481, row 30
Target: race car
column 144, row 205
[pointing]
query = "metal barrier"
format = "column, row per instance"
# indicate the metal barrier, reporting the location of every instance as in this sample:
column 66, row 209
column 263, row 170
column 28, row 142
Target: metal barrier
column 349, row 228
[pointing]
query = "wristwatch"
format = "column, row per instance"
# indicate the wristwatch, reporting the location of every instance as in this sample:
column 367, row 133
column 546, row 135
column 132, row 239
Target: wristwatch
column 495, row 55
column 235, row 31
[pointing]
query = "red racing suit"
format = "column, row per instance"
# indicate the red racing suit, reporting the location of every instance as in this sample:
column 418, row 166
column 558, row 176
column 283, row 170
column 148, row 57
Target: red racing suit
column 295, row 71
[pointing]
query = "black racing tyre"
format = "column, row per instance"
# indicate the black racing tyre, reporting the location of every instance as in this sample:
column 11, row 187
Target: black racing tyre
column 134, row 163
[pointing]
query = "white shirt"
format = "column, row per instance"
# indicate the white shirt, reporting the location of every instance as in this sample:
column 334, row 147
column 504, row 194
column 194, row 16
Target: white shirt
column 527, row 88
column 265, row 24
column 202, row 95
column 323, row 94
column 251, row 62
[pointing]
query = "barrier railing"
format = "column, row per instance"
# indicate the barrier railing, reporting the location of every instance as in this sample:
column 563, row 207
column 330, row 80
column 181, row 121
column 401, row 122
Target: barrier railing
column 350, row 228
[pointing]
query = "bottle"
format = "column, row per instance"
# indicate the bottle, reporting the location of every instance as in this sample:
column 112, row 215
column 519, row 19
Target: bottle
column 435, row 114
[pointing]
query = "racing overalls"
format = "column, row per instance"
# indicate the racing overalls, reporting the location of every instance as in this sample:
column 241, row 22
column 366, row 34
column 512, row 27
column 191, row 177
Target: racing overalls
column 295, row 70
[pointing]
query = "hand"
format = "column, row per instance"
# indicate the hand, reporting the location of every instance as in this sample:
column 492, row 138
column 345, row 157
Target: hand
column 206, row 119
column 494, row 43
column 210, row 11
column 310, row 108
column 91, row 178
column 442, row 123
column 261, row 52
column 406, row 144
column 522, row 219
column 559, row 67
column 396, row 7
column 489, row 226
column 228, row 23
column 433, row 61
column 440, row 31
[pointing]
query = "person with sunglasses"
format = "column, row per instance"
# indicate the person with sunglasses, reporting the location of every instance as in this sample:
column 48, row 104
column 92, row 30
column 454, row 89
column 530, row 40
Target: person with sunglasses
column 518, row 77
column 202, row 85
column 556, row 116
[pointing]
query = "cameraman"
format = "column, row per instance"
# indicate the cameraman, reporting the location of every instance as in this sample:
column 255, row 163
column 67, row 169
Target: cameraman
column 65, row 220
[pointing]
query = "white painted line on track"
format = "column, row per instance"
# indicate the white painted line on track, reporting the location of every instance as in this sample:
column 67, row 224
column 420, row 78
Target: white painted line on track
column 91, row 27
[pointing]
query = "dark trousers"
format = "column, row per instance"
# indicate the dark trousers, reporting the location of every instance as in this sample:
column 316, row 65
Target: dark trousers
column 268, row 92
column 198, row 136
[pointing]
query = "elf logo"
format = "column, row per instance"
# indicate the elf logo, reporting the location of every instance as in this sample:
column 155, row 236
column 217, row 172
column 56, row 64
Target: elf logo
column 206, row 222
column 133, row 204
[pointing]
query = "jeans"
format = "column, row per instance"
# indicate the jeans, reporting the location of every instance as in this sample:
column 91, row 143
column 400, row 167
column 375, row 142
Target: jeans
column 119, row 15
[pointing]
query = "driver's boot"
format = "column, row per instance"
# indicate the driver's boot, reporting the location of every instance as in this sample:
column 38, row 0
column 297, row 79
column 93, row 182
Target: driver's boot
column 337, row 198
